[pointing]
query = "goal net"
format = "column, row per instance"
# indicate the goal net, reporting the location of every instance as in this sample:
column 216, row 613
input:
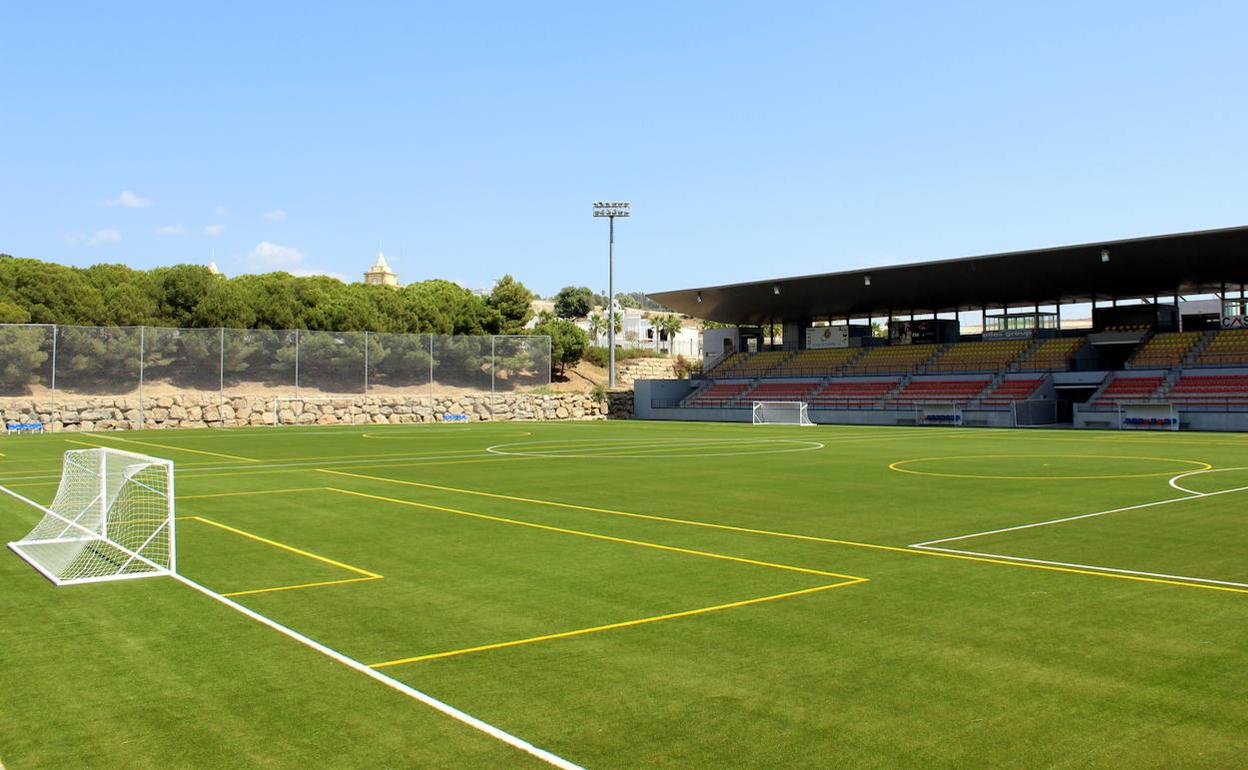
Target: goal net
column 781, row 413
column 112, row 519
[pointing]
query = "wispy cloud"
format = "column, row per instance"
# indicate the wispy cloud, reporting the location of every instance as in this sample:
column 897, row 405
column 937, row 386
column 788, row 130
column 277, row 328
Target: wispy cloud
column 170, row 230
column 128, row 200
column 276, row 255
column 214, row 231
column 276, row 215
column 107, row 235
column 221, row 211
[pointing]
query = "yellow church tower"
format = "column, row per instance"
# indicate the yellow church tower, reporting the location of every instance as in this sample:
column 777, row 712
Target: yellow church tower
column 380, row 273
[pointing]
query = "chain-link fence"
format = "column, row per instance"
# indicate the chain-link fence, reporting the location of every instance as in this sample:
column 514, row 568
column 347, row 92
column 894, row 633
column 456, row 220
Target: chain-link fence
column 47, row 364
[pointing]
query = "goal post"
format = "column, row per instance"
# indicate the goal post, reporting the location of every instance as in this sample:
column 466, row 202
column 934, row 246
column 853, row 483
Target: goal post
column 781, row 413
column 112, row 519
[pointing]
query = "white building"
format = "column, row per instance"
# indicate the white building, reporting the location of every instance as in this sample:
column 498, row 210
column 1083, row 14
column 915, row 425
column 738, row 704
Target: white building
column 637, row 331
column 380, row 273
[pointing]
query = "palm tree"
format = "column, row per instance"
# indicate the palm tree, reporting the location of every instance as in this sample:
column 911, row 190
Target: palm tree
column 669, row 324
column 598, row 325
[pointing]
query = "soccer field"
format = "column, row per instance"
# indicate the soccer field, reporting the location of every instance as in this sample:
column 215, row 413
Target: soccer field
column 631, row 594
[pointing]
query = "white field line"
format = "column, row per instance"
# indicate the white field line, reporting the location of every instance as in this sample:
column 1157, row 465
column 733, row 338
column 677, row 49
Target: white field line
column 930, row 545
column 1094, row 567
column 356, row 460
column 1174, row 481
column 1191, row 496
column 626, row 447
column 411, row 692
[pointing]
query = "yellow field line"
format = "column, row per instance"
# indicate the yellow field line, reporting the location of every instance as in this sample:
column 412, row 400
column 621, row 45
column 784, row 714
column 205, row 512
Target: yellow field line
column 793, row 536
column 254, row 492
column 303, row 585
column 309, row 469
column 175, row 448
column 285, row 547
column 596, row 536
column 613, row 626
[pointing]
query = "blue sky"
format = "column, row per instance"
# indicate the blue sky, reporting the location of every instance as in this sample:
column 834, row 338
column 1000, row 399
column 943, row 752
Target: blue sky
column 754, row 140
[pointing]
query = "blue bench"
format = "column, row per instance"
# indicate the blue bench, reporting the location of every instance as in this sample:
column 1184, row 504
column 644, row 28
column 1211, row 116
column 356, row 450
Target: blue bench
column 454, row 418
column 24, row 427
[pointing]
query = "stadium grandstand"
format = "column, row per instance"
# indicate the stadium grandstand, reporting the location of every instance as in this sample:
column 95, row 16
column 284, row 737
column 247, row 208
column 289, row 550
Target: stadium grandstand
column 888, row 345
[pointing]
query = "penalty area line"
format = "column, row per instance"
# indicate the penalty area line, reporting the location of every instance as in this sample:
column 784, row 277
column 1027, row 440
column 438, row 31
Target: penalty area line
column 394, row 684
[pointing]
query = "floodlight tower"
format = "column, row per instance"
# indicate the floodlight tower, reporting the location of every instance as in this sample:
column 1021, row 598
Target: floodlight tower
column 611, row 210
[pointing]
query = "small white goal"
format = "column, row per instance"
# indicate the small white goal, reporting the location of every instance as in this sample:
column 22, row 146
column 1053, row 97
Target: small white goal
column 112, row 519
column 781, row 413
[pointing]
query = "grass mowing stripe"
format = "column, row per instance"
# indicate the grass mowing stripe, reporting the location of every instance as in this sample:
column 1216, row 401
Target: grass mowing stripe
column 296, row 467
column 613, row 626
column 285, row 547
column 596, row 536
column 318, row 584
column 793, row 536
column 462, row 716
column 248, row 494
column 174, row 448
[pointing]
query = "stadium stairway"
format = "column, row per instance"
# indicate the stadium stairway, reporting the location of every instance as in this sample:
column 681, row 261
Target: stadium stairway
column 1225, row 347
column 1164, row 350
column 1008, row 390
column 1124, row 388
column 1193, row 356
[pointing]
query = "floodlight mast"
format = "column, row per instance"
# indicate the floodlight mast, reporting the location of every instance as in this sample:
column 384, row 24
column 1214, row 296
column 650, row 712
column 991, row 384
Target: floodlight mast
column 611, row 210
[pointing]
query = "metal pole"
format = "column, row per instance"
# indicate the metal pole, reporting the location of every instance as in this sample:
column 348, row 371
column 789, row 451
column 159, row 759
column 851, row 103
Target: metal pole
column 611, row 304
column 365, row 364
column 52, row 409
column 493, row 364
column 142, row 346
column 296, row 363
column 430, row 378
column 221, row 364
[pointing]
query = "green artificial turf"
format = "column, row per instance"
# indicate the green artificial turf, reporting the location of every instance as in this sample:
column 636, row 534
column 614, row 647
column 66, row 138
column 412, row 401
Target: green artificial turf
column 485, row 534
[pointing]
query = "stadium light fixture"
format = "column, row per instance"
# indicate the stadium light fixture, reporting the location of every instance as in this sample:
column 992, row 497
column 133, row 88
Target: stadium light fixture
column 1104, row 255
column 866, row 280
column 775, row 289
column 611, row 210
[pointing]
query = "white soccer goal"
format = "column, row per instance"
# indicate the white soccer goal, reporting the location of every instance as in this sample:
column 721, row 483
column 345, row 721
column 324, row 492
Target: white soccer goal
column 781, row 413
column 112, row 519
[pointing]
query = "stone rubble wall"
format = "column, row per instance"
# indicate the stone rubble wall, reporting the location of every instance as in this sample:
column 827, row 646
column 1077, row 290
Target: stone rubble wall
column 644, row 369
column 210, row 411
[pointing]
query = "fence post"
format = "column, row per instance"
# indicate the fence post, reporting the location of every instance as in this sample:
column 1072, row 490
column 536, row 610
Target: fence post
column 142, row 351
column 221, row 365
column 365, row 368
column 431, row 378
column 296, row 363
column 52, row 410
column 493, row 364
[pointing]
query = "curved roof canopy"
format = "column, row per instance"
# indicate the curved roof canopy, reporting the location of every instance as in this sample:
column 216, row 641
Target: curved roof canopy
column 1184, row 263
